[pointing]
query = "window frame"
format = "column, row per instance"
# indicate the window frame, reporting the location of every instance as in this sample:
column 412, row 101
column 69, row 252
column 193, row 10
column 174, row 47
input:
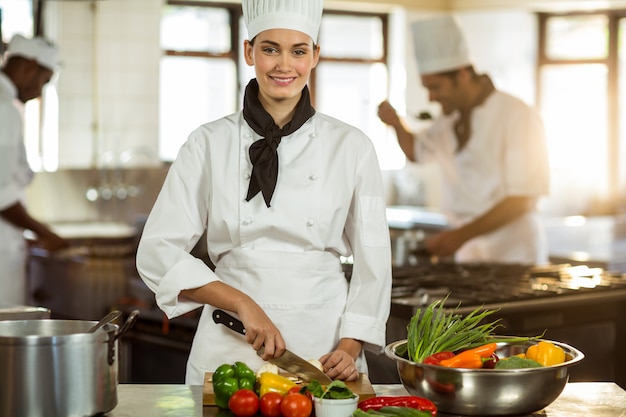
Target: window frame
column 611, row 61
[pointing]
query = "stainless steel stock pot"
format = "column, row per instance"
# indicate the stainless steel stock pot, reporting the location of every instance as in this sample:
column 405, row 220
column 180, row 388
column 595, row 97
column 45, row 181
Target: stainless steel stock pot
column 56, row 368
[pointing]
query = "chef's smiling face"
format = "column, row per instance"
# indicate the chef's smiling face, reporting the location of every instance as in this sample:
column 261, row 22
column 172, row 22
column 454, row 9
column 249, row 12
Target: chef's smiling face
column 283, row 60
column 443, row 89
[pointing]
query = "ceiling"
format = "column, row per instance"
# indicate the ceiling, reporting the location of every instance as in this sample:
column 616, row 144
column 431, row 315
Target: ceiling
column 462, row 5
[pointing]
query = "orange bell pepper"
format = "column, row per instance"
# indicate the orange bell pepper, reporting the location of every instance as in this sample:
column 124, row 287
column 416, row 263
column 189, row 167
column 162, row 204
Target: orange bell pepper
column 484, row 351
column 471, row 358
column 464, row 359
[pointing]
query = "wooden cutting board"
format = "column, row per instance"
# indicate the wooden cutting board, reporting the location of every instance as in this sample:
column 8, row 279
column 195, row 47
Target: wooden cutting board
column 361, row 386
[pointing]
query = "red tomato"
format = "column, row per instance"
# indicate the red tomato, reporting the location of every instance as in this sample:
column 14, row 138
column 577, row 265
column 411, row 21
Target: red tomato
column 296, row 405
column 244, row 403
column 270, row 404
column 298, row 389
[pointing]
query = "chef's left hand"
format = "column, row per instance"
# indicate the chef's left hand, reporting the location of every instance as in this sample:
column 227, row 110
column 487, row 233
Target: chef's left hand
column 341, row 363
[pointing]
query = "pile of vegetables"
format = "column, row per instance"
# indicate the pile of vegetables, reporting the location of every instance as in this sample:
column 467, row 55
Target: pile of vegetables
column 239, row 389
column 438, row 336
column 246, row 394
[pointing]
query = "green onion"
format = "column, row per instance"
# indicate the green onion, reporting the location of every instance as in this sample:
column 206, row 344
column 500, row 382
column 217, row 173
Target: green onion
column 436, row 330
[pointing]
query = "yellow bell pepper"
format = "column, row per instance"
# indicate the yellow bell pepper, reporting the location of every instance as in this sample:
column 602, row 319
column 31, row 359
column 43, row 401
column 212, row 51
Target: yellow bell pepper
column 546, row 353
column 269, row 382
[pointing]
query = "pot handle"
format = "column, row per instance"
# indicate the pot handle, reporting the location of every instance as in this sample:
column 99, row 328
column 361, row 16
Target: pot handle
column 132, row 318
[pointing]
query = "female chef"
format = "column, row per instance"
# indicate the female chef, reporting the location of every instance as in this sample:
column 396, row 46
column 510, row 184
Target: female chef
column 283, row 192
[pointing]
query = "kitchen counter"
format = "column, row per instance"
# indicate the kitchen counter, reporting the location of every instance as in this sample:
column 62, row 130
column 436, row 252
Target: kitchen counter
column 588, row 399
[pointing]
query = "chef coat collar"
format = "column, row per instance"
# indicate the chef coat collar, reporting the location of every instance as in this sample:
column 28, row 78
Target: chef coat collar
column 463, row 126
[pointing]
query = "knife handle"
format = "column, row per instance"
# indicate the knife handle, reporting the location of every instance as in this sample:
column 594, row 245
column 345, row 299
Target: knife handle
column 222, row 317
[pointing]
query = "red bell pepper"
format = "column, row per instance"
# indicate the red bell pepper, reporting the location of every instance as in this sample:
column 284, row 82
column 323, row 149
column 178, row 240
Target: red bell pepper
column 438, row 357
column 419, row 403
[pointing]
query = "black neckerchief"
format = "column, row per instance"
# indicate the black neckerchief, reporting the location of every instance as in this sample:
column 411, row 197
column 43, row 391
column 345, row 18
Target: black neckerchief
column 463, row 127
column 263, row 152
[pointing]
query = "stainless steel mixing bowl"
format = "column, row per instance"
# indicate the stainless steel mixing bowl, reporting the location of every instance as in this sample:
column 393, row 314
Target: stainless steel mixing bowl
column 486, row 392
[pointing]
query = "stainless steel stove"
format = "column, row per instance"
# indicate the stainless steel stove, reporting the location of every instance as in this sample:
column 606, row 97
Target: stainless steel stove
column 493, row 285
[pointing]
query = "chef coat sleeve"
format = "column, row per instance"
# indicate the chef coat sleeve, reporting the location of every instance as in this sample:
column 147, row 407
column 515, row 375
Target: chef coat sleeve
column 172, row 229
column 526, row 167
column 367, row 232
column 10, row 127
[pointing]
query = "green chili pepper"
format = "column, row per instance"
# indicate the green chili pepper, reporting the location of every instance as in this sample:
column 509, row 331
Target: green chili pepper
column 227, row 379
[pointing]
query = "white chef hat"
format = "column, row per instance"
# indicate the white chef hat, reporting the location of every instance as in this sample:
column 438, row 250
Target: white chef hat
column 301, row 15
column 39, row 49
column 439, row 45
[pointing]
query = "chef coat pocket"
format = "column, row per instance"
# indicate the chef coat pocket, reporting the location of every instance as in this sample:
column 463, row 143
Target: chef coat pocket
column 374, row 222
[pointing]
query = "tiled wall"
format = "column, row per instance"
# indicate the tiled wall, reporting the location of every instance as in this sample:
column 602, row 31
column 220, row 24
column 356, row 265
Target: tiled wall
column 108, row 85
column 62, row 196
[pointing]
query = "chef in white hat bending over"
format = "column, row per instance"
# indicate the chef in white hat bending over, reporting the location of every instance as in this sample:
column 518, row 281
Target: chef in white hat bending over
column 491, row 148
column 283, row 192
column 29, row 65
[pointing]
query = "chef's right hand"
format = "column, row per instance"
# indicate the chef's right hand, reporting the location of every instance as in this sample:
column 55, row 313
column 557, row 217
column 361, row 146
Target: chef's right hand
column 261, row 331
column 446, row 243
column 388, row 114
column 49, row 240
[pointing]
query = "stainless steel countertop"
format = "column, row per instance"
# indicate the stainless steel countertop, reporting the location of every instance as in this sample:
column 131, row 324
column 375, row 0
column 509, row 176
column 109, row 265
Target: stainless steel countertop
column 588, row 399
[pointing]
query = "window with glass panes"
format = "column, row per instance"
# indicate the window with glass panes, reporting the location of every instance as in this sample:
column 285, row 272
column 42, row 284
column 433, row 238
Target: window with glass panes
column 203, row 74
column 582, row 95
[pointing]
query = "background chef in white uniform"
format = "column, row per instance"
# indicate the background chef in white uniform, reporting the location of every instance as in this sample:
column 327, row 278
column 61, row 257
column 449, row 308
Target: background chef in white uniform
column 29, row 65
column 283, row 192
column 492, row 152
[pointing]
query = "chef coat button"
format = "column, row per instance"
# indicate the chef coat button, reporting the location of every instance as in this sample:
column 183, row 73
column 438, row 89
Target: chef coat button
column 247, row 176
column 310, row 222
column 247, row 221
column 313, row 177
column 247, row 135
column 313, row 135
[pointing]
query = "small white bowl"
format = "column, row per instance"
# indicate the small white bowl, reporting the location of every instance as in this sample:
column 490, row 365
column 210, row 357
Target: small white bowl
column 328, row 407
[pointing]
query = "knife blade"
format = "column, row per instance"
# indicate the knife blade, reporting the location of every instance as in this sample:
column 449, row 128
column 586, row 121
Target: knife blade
column 288, row 361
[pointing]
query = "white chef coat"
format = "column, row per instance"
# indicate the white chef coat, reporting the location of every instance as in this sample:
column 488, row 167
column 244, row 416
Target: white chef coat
column 328, row 202
column 15, row 175
column 506, row 155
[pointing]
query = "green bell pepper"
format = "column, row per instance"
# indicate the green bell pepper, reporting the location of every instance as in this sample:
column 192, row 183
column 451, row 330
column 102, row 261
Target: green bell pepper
column 227, row 379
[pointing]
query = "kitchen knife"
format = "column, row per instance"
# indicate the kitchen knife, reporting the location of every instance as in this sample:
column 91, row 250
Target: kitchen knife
column 288, row 361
